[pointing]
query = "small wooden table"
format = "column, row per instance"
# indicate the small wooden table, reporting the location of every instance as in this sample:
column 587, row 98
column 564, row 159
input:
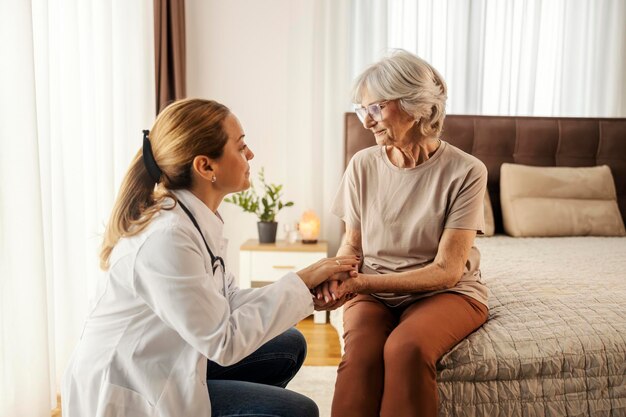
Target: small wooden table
column 263, row 263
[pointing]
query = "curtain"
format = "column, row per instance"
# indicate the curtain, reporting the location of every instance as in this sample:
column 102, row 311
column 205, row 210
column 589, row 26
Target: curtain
column 531, row 57
column 169, row 49
column 331, row 34
column 369, row 38
column 24, row 355
column 77, row 89
column 526, row 57
column 348, row 35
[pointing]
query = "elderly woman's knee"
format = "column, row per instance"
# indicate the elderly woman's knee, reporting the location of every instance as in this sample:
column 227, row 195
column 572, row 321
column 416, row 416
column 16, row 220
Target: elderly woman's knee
column 363, row 344
column 364, row 353
column 409, row 350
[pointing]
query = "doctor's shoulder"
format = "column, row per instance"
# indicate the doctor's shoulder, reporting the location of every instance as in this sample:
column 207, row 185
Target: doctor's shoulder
column 166, row 232
column 168, row 251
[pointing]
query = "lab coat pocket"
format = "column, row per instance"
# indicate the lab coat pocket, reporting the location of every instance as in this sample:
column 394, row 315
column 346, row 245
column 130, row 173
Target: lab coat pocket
column 118, row 401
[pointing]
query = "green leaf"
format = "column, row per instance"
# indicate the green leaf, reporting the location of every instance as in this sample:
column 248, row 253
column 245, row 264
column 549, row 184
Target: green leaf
column 270, row 200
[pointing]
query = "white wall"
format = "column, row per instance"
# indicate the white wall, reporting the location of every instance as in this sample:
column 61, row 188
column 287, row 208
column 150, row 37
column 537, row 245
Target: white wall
column 261, row 60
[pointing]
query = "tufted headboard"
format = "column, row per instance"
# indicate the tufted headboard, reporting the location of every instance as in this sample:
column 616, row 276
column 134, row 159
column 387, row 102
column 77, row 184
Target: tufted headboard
column 542, row 141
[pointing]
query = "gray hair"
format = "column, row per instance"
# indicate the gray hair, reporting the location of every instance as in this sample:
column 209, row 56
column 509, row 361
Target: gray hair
column 418, row 86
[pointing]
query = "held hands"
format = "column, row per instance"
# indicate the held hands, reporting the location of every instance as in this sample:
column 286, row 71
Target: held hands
column 333, row 294
column 338, row 268
column 321, row 305
column 329, row 277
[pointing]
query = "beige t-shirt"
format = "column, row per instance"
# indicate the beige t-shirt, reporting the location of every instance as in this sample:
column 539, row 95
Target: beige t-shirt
column 401, row 213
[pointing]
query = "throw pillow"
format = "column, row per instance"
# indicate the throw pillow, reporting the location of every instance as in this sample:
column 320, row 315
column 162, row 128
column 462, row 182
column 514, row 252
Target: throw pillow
column 559, row 201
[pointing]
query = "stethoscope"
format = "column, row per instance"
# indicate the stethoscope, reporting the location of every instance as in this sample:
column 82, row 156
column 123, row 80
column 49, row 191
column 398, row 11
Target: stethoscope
column 216, row 261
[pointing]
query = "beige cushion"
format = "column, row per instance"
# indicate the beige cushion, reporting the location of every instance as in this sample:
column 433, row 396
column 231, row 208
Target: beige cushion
column 490, row 226
column 559, row 201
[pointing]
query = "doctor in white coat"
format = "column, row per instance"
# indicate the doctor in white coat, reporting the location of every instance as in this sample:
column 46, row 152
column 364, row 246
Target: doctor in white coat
column 169, row 303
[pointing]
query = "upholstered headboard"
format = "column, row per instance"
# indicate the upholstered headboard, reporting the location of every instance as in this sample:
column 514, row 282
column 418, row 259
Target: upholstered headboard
column 542, row 141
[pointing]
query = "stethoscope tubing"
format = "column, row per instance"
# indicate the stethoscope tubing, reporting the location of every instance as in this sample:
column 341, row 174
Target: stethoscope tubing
column 216, row 261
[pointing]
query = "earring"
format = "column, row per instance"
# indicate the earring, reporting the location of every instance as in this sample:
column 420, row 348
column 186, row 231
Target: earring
column 213, row 179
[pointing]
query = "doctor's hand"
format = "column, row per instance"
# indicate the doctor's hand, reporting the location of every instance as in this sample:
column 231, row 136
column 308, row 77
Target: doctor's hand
column 329, row 268
column 321, row 305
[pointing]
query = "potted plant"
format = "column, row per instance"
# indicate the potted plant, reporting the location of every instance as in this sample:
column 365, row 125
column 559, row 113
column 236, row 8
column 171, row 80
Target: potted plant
column 265, row 206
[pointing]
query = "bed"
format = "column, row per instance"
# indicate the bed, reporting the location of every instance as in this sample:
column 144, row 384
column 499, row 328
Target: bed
column 555, row 342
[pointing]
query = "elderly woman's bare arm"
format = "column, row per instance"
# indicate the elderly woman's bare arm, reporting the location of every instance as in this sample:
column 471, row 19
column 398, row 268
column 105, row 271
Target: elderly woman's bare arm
column 351, row 243
column 445, row 271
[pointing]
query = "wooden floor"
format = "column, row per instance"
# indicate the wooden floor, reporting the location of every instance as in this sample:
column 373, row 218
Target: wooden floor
column 322, row 348
column 322, row 343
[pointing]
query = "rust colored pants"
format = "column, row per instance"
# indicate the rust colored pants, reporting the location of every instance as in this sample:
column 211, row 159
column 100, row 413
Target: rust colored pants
column 389, row 367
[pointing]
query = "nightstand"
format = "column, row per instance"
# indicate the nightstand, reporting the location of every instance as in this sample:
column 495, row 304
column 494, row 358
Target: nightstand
column 263, row 263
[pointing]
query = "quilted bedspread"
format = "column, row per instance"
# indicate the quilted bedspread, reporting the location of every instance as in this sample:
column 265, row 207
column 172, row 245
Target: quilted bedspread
column 555, row 342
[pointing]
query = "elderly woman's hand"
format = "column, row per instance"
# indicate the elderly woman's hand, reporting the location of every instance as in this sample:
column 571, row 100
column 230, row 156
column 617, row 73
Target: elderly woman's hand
column 351, row 286
column 324, row 294
column 329, row 292
column 326, row 291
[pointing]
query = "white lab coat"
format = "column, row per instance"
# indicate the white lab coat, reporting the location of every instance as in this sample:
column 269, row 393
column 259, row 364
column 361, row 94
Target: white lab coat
column 161, row 312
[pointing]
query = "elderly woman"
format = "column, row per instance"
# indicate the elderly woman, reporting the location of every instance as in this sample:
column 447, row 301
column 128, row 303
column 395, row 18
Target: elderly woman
column 412, row 207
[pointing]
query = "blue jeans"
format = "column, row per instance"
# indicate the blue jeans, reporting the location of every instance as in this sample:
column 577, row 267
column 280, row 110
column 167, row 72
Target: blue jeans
column 255, row 386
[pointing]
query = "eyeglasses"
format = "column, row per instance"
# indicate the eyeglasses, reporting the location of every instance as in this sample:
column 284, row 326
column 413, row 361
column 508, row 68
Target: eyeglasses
column 374, row 110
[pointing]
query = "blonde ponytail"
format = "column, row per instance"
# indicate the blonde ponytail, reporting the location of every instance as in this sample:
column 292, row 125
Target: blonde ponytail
column 137, row 202
column 183, row 130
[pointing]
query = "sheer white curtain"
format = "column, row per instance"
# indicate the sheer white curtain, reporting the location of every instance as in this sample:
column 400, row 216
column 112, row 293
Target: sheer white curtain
column 526, row 57
column 77, row 82
column 368, row 33
column 334, row 41
column 331, row 33
column 347, row 35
